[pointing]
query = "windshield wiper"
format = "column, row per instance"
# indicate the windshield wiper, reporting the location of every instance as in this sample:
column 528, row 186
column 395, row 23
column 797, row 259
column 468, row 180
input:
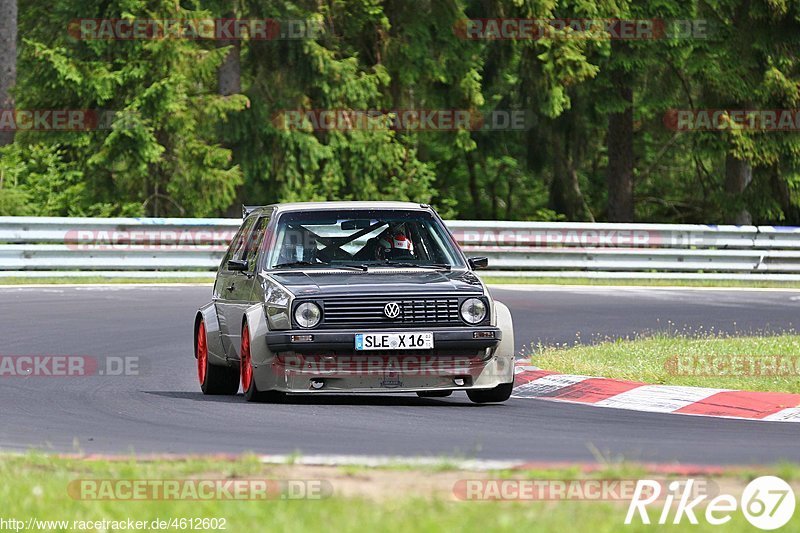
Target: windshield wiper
column 359, row 266
column 435, row 266
column 293, row 264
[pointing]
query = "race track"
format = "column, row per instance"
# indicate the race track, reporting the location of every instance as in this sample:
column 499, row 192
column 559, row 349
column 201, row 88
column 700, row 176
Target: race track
column 162, row 409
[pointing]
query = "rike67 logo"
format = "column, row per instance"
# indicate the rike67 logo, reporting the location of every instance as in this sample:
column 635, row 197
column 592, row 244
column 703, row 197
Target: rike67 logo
column 767, row 503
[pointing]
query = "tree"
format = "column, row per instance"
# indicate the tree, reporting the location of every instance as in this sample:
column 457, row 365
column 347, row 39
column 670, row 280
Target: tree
column 750, row 62
column 197, row 127
column 161, row 154
column 8, row 60
column 619, row 140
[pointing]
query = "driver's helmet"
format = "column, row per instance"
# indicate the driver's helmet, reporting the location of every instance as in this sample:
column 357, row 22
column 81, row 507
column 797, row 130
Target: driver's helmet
column 394, row 245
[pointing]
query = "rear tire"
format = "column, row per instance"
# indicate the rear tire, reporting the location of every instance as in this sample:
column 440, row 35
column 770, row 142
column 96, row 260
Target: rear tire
column 498, row 394
column 251, row 392
column 214, row 379
column 435, row 394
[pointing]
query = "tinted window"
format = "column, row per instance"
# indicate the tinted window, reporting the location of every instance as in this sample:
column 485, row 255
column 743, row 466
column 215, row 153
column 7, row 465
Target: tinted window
column 254, row 242
column 238, row 243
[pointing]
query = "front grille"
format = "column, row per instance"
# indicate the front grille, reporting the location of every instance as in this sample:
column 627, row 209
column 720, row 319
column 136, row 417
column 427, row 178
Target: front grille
column 368, row 310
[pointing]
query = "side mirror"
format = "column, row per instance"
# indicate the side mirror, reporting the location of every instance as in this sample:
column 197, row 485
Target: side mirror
column 236, row 265
column 478, row 263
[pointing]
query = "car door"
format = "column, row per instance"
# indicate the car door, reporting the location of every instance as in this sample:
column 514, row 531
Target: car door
column 231, row 290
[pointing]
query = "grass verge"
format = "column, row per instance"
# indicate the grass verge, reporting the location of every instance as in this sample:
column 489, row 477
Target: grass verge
column 36, row 487
column 759, row 363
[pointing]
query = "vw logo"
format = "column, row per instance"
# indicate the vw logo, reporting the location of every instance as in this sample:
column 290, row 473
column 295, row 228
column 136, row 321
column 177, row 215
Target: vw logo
column 391, row 310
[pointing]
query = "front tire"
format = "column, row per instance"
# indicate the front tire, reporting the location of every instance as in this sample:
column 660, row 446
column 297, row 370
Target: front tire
column 214, row 379
column 498, row 394
column 251, row 392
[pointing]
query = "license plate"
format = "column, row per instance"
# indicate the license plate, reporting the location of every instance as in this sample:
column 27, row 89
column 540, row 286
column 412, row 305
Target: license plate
column 394, row 341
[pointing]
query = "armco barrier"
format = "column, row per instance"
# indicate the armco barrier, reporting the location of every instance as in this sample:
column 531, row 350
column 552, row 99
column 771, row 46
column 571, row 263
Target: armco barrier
column 179, row 247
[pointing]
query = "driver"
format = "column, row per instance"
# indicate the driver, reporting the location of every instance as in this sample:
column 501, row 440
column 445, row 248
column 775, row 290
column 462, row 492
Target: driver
column 393, row 244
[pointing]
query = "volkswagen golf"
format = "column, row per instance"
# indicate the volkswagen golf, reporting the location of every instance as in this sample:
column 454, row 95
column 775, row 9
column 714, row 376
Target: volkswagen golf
column 351, row 297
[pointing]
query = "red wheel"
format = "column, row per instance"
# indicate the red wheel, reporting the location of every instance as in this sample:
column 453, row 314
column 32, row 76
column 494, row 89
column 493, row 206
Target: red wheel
column 202, row 353
column 214, row 378
column 251, row 392
column 246, row 364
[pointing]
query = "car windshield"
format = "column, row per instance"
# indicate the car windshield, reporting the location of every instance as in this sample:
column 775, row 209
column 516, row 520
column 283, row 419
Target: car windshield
column 361, row 239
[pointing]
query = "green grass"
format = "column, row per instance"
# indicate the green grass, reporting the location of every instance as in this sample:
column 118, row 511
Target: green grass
column 521, row 280
column 35, row 486
column 695, row 359
column 96, row 280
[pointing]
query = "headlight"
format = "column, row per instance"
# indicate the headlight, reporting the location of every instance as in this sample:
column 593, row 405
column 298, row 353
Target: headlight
column 307, row 315
column 473, row 310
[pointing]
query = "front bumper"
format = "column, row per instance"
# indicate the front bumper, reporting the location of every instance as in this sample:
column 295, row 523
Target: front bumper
column 460, row 338
column 459, row 361
column 382, row 374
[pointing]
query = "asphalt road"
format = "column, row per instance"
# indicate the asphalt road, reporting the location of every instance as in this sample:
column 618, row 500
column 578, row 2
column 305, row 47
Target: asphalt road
column 162, row 409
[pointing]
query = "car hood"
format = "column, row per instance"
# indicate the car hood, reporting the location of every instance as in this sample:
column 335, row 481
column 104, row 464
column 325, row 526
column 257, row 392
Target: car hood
column 303, row 283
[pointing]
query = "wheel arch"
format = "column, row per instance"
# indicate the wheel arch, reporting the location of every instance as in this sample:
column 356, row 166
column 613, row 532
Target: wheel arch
column 266, row 375
column 257, row 325
column 505, row 351
column 208, row 315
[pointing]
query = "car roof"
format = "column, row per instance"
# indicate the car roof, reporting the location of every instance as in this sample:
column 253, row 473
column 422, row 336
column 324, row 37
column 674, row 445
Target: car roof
column 305, row 206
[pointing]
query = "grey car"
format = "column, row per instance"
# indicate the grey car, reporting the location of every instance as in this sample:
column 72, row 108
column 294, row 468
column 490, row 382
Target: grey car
column 351, row 297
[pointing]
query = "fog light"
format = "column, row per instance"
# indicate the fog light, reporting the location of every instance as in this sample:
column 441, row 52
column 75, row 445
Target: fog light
column 302, row 338
column 459, row 382
column 317, row 384
column 483, row 334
